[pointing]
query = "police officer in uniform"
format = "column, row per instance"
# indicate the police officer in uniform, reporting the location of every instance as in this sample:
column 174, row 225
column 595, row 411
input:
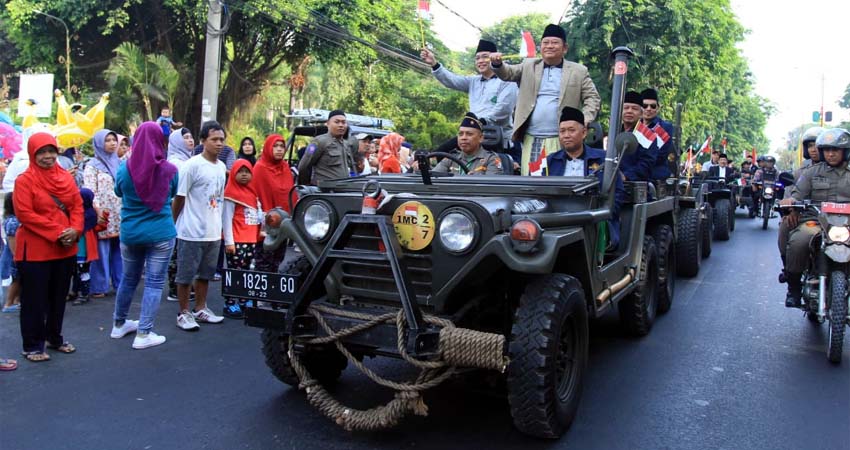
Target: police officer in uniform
column 828, row 181
column 478, row 160
column 810, row 149
column 664, row 135
column 328, row 156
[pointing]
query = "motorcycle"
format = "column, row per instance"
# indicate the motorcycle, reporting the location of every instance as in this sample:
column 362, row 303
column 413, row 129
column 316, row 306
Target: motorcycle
column 825, row 280
column 769, row 191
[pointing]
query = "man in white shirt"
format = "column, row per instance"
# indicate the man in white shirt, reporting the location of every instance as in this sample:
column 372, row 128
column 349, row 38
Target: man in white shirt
column 197, row 210
column 722, row 169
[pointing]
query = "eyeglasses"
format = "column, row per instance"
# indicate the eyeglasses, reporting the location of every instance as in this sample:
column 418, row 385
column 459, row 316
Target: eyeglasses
column 650, row 105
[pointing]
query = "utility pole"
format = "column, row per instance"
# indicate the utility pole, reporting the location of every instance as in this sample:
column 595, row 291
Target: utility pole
column 212, row 63
column 822, row 82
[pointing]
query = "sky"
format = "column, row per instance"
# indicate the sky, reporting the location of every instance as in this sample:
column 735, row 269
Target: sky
column 791, row 46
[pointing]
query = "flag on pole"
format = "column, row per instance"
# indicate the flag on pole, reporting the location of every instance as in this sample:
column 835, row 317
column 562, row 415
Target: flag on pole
column 539, row 168
column 644, row 135
column 689, row 162
column 706, row 146
column 754, row 155
column 526, row 47
column 723, row 144
column 424, row 10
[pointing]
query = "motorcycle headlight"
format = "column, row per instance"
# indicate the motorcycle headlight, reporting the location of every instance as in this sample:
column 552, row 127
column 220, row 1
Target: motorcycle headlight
column 768, row 190
column 839, row 234
column 317, row 221
column 457, row 231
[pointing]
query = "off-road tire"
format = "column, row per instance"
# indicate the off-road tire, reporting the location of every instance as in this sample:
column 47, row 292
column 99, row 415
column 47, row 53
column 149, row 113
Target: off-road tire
column 732, row 210
column 765, row 206
column 638, row 309
column 548, row 352
column 721, row 220
column 688, row 243
column 666, row 247
column 837, row 315
column 325, row 365
column 707, row 231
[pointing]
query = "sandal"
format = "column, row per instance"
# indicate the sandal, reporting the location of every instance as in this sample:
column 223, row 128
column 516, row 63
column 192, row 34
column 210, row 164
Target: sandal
column 36, row 356
column 8, row 364
column 66, row 347
column 98, row 296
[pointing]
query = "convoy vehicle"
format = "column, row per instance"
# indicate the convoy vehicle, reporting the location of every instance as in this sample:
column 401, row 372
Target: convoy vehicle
column 458, row 273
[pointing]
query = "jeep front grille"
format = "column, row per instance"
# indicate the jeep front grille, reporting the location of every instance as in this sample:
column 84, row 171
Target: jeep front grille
column 375, row 279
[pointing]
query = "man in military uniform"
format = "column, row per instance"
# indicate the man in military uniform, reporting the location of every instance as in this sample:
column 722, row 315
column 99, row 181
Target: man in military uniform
column 478, row 160
column 825, row 182
column 328, row 156
column 638, row 165
column 664, row 135
column 576, row 159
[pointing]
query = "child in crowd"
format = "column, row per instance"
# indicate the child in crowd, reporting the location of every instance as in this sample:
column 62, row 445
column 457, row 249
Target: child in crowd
column 87, row 247
column 241, row 220
column 10, row 226
column 166, row 122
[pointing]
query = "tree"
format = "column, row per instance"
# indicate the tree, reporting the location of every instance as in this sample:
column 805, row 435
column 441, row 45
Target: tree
column 686, row 50
column 845, row 101
column 148, row 76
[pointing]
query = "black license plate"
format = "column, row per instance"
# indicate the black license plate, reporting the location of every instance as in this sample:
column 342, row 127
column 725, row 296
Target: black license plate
column 259, row 285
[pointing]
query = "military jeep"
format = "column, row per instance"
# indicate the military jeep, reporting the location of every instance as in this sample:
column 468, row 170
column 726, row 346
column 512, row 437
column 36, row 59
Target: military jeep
column 428, row 267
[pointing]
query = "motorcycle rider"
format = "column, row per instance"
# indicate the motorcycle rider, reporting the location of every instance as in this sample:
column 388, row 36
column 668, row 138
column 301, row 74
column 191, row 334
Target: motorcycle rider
column 766, row 173
column 810, row 149
column 825, row 182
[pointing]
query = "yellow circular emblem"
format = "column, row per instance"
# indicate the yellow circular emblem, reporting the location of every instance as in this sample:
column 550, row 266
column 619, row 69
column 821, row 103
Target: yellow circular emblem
column 414, row 225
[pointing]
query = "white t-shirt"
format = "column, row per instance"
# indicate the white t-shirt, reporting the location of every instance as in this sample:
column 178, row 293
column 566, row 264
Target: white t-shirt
column 202, row 183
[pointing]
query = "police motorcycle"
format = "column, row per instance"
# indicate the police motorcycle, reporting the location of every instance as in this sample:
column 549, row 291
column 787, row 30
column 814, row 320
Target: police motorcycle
column 769, row 191
column 825, row 283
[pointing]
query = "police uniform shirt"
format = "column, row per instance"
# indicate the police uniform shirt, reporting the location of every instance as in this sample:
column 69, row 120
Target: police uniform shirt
column 482, row 162
column 329, row 159
column 823, row 183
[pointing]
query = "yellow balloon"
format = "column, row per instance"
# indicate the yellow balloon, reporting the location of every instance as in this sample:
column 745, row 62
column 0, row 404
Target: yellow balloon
column 63, row 110
column 70, row 135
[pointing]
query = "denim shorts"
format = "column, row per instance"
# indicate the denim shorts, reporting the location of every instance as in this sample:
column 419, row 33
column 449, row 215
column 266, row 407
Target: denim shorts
column 196, row 260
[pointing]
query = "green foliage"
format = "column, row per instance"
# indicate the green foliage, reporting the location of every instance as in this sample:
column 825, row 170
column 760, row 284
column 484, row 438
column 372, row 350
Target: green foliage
column 845, row 101
column 507, row 34
column 686, row 50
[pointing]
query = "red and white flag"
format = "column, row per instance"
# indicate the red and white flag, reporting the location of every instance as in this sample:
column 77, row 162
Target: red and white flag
column 539, row 168
column 662, row 137
column 411, row 210
column 644, row 135
column 424, row 10
column 706, row 146
column 527, row 48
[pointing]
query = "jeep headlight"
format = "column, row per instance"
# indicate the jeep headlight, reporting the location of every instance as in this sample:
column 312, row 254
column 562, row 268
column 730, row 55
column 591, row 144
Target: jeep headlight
column 317, row 221
column 839, row 234
column 457, row 231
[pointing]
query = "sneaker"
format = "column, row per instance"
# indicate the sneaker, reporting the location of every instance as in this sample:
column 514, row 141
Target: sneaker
column 12, row 308
column 130, row 326
column 206, row 315
column 172, row 298
column 233, row 311
column 150, row 339
column 186, row 321
column 792, row 300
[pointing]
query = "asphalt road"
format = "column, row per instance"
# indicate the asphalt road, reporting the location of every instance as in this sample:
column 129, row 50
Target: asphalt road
column 728, row 367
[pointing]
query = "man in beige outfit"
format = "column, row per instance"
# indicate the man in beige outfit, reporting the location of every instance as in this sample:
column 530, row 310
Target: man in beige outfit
column 551, row 83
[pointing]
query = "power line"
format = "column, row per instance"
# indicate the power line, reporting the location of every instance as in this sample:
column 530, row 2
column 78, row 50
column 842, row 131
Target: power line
column 461, row 17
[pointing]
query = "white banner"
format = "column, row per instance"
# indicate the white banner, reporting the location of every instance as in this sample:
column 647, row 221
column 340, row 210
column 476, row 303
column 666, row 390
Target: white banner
column 38, row 87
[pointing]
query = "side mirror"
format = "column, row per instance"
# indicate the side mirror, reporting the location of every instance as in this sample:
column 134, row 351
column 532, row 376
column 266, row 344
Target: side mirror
column 786, row 178
column 626, row 143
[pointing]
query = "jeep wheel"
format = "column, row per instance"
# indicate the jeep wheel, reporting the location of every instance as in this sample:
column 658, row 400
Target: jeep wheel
column 688, row 243
column 637, row 311
column 707, row 230
column 666, row 266
column 324, row 364
column 721, row 220
column 731, row 217
column 548, row 352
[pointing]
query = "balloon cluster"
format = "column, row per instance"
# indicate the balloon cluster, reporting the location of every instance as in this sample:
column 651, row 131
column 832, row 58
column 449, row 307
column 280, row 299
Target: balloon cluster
column 73, row 127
